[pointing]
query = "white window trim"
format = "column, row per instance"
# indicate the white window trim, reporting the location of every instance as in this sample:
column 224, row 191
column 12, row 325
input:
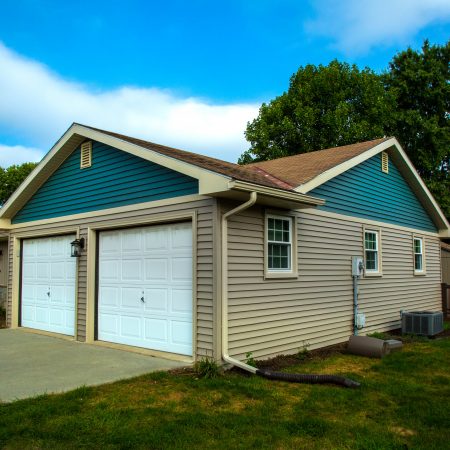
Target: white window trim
column 424, row 266
column 281, row 273
column 379, row 271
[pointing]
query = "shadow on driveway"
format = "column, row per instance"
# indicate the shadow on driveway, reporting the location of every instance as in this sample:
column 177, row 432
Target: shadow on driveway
column 33, row 364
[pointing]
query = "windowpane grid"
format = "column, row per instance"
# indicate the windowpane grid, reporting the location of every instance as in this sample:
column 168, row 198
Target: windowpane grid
column 418, row 255
column 371, row 250
column 279, row 243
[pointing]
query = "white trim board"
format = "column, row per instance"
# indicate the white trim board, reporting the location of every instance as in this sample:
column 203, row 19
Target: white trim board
column 405, row 166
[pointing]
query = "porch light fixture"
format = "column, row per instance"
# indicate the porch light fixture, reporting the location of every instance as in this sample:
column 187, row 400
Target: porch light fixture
column 76, row 246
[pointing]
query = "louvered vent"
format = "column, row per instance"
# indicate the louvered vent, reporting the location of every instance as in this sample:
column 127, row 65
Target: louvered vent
column 384, row 162
column 86, row 155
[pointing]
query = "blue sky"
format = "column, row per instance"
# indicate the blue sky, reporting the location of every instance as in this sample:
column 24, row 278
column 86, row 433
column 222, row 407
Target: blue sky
column 183, row 73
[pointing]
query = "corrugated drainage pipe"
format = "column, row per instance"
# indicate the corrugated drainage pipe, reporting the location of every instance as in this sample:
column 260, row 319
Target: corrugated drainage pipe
column 307, row 378
column 293, row 377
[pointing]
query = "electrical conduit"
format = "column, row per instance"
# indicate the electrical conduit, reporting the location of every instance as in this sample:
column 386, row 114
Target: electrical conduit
column 293, row 377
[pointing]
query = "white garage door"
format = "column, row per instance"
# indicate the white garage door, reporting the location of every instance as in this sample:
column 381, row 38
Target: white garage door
column 48, row 285
column 145, row 287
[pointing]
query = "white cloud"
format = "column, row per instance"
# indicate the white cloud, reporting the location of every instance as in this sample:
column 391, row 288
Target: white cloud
column 18, row 154
column 356, row 26
column 40, row 105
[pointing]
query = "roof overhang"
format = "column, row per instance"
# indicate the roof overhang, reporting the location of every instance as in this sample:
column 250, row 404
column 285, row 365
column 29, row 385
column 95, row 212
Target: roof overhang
column 209, row 182
column 403, row 163
column 239, row 190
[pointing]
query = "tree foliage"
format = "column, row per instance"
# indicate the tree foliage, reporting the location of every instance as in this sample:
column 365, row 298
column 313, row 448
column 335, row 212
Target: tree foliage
column 11, row 177
column 420, row 83
column 338, row 104
column 325, row 106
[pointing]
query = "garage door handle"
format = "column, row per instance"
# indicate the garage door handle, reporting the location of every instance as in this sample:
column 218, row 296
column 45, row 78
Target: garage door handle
column 142, row 300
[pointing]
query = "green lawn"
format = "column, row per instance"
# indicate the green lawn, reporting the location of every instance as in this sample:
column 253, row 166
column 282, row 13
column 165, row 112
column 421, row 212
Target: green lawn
column 404, row 403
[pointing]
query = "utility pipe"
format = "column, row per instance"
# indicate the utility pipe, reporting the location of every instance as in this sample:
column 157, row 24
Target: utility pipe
column 225, row 356
column 355, row 305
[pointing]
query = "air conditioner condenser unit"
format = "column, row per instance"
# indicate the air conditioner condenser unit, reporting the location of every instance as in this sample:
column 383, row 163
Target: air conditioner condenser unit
column 426, row 323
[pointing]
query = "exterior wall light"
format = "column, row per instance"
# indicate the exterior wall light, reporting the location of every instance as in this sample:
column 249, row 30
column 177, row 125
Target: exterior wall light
column 76, row 246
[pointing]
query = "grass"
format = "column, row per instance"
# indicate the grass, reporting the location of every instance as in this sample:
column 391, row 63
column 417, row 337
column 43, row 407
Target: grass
column 404, row 403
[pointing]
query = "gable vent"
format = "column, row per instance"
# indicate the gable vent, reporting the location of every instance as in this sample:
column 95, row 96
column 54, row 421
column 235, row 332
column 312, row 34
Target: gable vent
column 86, row 155
column 384, row 162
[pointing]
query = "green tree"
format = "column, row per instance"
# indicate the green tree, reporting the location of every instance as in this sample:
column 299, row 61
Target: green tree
column 420, row 82
column 11, row 178
column 325, row 106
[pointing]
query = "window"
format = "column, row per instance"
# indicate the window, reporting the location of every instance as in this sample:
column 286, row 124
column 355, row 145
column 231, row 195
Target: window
column 279, row 244
column 372, row 251
column 418, row 255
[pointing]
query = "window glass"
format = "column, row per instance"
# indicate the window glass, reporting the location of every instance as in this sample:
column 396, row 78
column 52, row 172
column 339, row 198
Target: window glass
column 279, row 242
column 418, row 255
column 371, row 250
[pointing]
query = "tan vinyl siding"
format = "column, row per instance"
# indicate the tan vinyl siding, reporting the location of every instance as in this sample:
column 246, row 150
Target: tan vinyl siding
column 445, row 258
column 204, row 209
column 274, row 316
column 4, row 263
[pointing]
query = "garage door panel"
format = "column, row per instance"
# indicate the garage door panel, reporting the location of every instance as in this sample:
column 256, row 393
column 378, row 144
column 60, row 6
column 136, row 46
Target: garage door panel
column 108, row 325
column 182, row 301
column 48, row 285
column 156, row 330
column 131, row 298
column 41, row 294
column 57, row 271
column 182, row 269
column 156, row 301
column 181, row 331
column 41, row 248
column 110, row 296
column 29, row 271
column 131, row 269
column 111, row 244
column 156, row 240
column 181, row 237
column 130, row 326
column 156, row 269
column 42, row 315
column 131, row 241
column 154, row 263
column 109, row 271
column 42, row 270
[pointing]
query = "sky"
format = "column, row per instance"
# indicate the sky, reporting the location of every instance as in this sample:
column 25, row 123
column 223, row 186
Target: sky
column 188, row 74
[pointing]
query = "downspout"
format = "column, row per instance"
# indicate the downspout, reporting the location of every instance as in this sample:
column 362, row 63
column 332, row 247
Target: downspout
column 225, row 356
column 293, row 377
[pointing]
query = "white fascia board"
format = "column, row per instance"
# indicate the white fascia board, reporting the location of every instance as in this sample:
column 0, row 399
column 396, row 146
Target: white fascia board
column 303, row 199
column 343, row 167
column 406, row 166
column 209, row 181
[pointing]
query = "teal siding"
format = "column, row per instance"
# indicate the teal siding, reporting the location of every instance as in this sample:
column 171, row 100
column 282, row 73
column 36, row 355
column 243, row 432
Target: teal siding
column 367, row 192
column 115, row 178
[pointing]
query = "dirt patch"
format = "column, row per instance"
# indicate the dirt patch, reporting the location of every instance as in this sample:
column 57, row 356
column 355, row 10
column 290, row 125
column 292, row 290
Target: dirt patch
column 283, row 361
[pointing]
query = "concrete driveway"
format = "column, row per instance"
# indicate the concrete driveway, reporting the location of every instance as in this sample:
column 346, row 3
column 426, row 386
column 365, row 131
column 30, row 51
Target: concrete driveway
column 33, row 364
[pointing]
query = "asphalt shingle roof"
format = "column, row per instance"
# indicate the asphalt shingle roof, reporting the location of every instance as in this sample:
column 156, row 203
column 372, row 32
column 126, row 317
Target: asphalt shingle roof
column 282, row 173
